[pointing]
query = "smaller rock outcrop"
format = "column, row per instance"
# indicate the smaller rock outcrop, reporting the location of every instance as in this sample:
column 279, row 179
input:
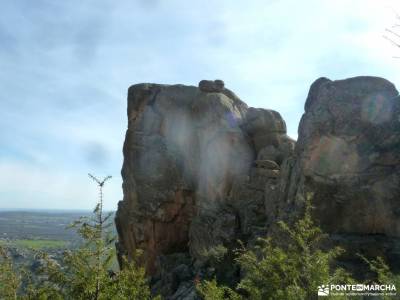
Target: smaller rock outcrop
column 212, row 86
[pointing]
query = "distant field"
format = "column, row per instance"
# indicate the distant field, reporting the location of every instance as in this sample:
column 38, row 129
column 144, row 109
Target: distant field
column 41, row 244
column 39, row 229
column 37, row 225
column 22, row 231
column 36, row 244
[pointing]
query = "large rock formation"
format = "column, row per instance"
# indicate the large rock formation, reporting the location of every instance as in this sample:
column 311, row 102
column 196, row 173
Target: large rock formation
column 202, row 170
column 348, row 158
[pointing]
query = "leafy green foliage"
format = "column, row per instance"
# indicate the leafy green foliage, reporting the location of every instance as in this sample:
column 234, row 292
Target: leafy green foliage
column 130, row 282
column 382, row 272
column 17, row 282
column 9, row 279
column 290, row 270
column 209, row 290
column 215, row 254
column 84, row 274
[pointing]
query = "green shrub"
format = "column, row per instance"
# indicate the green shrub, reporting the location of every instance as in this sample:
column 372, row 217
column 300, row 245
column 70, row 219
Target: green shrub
column 130, row 282
column 290, row 270
column 86, row 273
column 209, row 290
column 383, row 274
column 10, row 281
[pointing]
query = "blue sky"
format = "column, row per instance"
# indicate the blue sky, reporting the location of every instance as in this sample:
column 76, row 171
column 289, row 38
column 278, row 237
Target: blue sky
column 65, row 67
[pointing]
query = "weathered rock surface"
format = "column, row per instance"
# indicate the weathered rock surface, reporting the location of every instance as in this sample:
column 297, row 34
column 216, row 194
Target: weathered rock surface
column 202, row 170
column 348, row 150
column 190, row 180
column 348, row 158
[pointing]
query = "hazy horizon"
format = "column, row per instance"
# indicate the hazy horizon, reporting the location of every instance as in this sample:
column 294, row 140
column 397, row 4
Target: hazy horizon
column 27, row 209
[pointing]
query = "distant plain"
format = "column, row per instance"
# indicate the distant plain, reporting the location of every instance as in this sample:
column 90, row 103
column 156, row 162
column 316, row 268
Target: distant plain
column 39, row 229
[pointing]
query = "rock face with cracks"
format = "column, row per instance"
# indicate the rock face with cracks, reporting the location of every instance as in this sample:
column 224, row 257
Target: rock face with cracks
column 203, row 170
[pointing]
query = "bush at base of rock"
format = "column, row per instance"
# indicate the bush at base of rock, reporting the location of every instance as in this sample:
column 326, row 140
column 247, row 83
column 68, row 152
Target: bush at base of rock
column 292, row 269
